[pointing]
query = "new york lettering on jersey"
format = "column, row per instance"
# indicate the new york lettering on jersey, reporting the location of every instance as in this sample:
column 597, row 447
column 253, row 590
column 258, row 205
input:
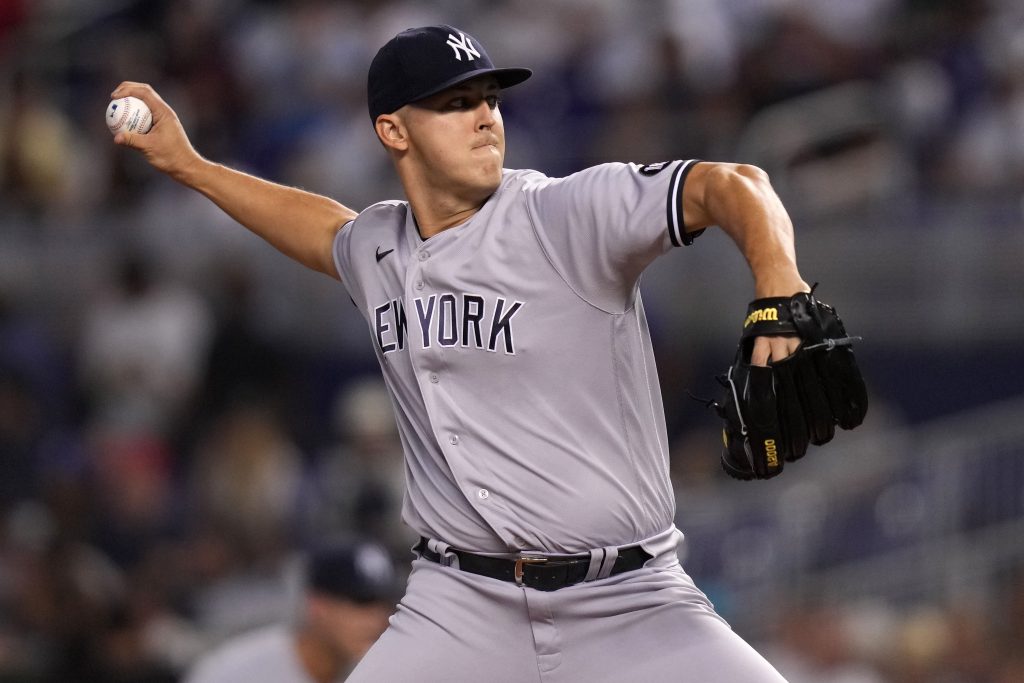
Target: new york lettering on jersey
column 448, row 319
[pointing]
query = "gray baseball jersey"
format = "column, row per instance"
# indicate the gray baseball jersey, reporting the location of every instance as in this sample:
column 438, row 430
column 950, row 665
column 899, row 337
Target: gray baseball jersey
column 518, row 358
column 519, row 362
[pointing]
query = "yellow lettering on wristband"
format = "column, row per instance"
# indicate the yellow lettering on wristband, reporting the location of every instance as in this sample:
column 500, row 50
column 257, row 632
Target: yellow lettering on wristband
column 760, row 315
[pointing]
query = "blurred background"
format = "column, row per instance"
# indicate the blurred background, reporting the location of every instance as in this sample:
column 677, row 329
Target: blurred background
column 182, row 409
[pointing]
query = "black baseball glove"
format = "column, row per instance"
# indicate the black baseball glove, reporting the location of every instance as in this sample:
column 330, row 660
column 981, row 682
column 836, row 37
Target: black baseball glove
column 771, row 413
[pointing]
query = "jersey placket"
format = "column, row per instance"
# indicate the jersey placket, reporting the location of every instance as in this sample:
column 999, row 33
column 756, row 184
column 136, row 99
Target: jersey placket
column 423, row 287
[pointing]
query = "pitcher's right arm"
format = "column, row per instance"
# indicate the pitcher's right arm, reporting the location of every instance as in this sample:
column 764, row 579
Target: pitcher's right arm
column 299, row 224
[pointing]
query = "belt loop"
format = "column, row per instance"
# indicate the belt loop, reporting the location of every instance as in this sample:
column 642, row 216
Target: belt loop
column 601, row 562
column 611, row 553
column 596, row 560
column 448, row 556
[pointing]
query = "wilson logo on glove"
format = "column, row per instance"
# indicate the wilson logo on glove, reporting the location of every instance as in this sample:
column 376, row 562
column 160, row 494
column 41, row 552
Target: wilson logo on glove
column 761, row 314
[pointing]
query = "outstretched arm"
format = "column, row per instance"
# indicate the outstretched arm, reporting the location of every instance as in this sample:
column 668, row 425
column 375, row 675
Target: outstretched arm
column 740, row 199
column 300, row 224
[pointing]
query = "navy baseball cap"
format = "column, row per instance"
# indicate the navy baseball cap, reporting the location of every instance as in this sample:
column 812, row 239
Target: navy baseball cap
column 420, row 62
column 362, row 572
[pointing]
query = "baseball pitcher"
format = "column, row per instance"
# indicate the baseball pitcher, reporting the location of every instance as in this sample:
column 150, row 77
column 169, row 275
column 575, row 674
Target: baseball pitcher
column 504, row 309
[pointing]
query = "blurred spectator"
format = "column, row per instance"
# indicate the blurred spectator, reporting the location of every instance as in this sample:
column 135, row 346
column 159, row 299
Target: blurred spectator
column 241, row 362
column 356, row 486
column 919, row 646
column 35, row 136
column 142, row 348
column 243, row 494
column 349, row 591
column 66, row 602
column 245, row 482
column 814, row 646
column 132, row 482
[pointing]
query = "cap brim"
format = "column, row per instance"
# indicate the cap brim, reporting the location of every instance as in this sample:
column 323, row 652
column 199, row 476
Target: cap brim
column 506, row 78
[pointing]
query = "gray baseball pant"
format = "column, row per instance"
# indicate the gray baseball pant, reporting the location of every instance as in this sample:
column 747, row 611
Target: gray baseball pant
column 652, row 624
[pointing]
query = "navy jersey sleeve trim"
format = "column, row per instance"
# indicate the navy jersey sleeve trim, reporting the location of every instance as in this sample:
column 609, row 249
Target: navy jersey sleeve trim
column 674, row 206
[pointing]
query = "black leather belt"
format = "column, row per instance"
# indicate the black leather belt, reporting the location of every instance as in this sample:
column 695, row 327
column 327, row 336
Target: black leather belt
column 542, row 573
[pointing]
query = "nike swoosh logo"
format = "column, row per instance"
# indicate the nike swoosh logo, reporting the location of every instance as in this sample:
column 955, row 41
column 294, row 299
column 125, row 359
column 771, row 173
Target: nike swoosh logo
column 382, row 254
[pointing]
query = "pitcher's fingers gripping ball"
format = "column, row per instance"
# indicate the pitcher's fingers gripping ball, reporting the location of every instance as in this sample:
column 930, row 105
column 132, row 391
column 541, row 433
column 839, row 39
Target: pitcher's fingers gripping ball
column 129, row 114
column 772, row 412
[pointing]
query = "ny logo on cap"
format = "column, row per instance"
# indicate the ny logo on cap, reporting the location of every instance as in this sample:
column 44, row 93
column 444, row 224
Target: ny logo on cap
column 463, row 43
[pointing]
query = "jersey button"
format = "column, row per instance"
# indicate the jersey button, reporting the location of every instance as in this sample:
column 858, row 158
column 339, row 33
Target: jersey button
column 483, row 494
column 423, row 255
column 419, row 284
column 454, row 439
column 434, row 378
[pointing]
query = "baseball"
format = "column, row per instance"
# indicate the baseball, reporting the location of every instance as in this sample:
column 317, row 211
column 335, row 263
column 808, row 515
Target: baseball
column 129, row 114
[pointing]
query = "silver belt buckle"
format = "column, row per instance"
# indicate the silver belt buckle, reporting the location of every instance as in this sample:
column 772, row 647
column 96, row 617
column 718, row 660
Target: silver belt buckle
column 520, row 561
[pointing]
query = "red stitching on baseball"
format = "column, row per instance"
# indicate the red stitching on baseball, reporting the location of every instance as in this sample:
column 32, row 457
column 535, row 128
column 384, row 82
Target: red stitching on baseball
column 124, row 113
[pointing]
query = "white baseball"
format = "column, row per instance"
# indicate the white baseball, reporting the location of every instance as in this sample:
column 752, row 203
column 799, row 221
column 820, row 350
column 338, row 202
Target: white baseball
column 129, row 114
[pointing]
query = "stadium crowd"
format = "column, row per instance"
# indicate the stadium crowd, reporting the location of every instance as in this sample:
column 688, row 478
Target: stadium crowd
column 176, row 424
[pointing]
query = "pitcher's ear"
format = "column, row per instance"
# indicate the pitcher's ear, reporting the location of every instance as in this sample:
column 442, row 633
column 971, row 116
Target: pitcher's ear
column 392, row 132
